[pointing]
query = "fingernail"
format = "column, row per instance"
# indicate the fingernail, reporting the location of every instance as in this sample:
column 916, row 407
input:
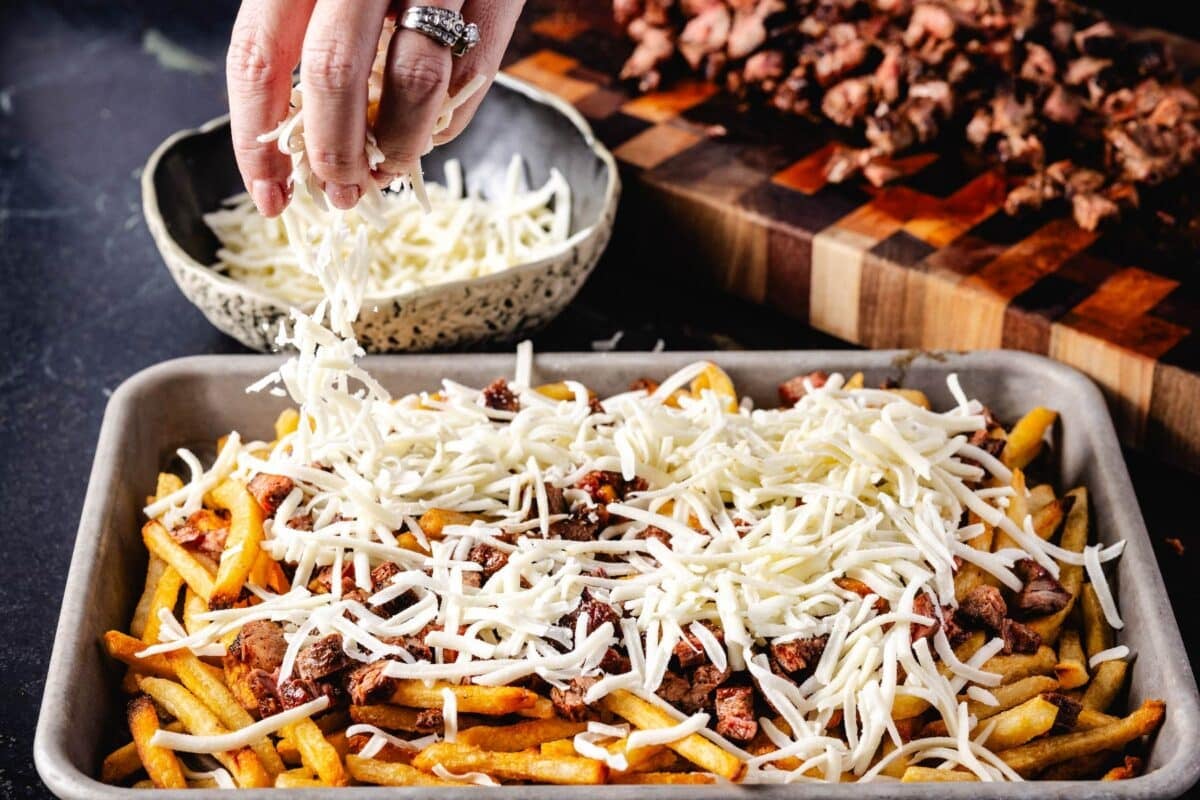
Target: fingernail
column 342, row 195
column 268, row 196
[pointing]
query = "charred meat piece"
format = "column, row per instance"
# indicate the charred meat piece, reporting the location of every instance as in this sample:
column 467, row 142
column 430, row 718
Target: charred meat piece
column 429, row 720
column 689, row 652
column 297, row 691
column 983, row 607
column 497, row 395
column 1041, row 593
column 204, row 531
column 322, row 658
column 606, row 487
column 1068, row 710
column 923, row 605
column 790, row 391
column 259, row 645
column 270, row 491
column 369, row 684
column 799, row 654
column 1019, row 638
column 569, row 703
column 583, row 525
column 491, row 558
column 735, row 713
column 594, row 611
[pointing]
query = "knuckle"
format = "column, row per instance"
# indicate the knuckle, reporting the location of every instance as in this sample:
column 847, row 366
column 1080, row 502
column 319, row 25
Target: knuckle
column 253, row 59
column 420, row 78
column 332, row 66
column 333, row 164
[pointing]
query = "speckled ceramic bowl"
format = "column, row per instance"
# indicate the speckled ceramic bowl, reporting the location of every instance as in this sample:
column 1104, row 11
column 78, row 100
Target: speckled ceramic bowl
column 194, row 170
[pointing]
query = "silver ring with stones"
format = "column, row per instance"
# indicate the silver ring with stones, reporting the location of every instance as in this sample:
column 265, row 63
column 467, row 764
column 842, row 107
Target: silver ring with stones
column 446, row 27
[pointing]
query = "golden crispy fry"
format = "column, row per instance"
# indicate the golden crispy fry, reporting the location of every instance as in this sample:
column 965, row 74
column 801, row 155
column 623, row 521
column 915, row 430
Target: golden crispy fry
column 1047, row 518
column 1040, row 496
column 716, row 380
column 161, row 764
column 1105, row 685
column 1071, row 668
column 560, row 391
column 1008, row 696
column 1086, row 767
column 124, row 761
column 1025, row 438
column 212, row 691
column 290, row 752
column 159, row 542
column 655, row 758
column 193, row 606
column 145, row 783
column 693, row 747
column 1018, row 665
column 393, row 718
column 1090, row 718
column 317, row 753
column 1018, row 509
column 167, row 483
column 1074, row 538
column 268, row 574
column 914, row 396
column 124, row 648
column 390, row 773
column 166, row 595
column 297, row 779
column 907, row 707
column 662, row 777
column 1098, row 635
column 522, row 766
column 1109, row 676
column 511, row 738
column 1018, row 725
column 923, row 774
column 242, row 545
column 855, row 381
column 542, row 708
column 491, row 700
column 435, row 520
column 558, row 747
column 154, row 571
column 1130, row 768
column 897, row 766
column 971, row 575
column 286, row 423
column 1029, row 758
column 242, row 763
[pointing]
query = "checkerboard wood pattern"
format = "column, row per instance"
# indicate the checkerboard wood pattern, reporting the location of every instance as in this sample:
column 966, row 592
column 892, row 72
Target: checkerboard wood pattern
column 930, row 262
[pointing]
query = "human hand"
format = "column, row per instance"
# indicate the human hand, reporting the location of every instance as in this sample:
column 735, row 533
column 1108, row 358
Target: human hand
column 335, row 43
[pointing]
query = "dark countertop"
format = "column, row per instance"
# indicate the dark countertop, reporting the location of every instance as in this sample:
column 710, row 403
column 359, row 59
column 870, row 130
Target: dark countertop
column 85, row 301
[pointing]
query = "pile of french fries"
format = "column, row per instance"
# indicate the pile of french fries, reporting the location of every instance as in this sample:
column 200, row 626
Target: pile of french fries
column 510, row 734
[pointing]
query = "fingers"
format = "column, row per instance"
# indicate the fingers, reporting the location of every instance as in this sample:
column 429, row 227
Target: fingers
column 263, row 51
column 415, row 83
column 496, row 20
column 338, row 51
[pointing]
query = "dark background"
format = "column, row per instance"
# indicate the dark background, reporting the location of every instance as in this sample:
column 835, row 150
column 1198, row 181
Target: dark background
column 85, row 301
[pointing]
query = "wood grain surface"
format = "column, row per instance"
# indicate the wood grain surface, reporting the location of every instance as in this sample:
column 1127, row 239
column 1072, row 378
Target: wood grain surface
column 929, row 262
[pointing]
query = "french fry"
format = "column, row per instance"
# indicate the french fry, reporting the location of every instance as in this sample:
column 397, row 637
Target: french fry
column 1025, row 438
column 1071, row 668
column 1091, row 718
column 855, row 381
column 719, row 383
column 1018, row 725
column 1074, row 538
column 560, row 391
column 653, row 758
column 213, row 692
column 242, row 545
column 522, row 766
column 1037, row 755
column 1008, row 696
column 317, row 753
column 971, row 575
column 193, row 606
column 490, row 700
column 914, row 396
column 268, row 574
column 1021, row 665
column 390, row 773
column 124, row 648
column 1131, row 767
column 1109, row 676
column 289, row 751
column 907, row 707
column 393, row 718
column 558, row 747
column 1085, row 767
column 898, row 765
column 434, row 521
column 511, row 738
column 931, row 774
column 542, row 708
column 1040, row 496
column 693, row 747
column 1047, row 518
column 662, row 777
column 159, row 542
column 166, row 595
column 1018, row 509
column 145, row 783
column 155, row 568
column 286, row 423
column 161, row 764
column 297, row 779
column 167, row 483
column 242, row 763
column 124, row 761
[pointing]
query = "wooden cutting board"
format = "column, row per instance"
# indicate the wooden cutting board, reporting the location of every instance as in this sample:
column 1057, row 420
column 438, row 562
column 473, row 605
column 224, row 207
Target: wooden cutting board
column 930, row 262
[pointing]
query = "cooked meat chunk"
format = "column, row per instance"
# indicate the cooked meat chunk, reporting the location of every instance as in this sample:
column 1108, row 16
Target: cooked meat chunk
column 297, row 691
column 846, row 102
column 323, row 581
column 382, row 575
column 261, row 685
column 569, row 703
column 204, row 531
column 259, row 645
column 614, row 662
column 1041, row 593
column 799, row 654
column 735, row 713
column 583, row 524
column 689, row 652
column 369, row 684
column 491, row 558
column 1019, row 638
column 322, row 658
column 690, row 696
column 270, row 491
column 497, row 395
column 1068, row 710
column 429, row 720
column 791, row 391
column 594, row 611
column 983, row 607
column 924, row 606
column 556, row 501
column 606, row 487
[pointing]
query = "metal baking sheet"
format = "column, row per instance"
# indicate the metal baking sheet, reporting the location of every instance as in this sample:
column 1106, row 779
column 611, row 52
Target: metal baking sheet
column 197, row 399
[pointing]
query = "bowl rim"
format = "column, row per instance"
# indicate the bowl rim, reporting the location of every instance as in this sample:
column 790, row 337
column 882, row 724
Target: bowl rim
column 174, row 254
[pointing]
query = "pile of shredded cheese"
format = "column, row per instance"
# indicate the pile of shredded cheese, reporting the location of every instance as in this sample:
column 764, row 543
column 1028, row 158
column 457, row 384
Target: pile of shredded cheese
column 765, row 508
